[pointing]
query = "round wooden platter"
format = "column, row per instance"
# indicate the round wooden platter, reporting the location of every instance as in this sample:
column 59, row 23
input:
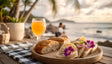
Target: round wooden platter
column 51, row 58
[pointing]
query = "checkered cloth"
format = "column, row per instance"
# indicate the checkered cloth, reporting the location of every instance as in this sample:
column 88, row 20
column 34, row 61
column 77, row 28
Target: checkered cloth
column 15, row 46
column 20, row 52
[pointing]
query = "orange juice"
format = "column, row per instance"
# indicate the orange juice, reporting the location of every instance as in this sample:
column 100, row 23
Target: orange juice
column 38, row 27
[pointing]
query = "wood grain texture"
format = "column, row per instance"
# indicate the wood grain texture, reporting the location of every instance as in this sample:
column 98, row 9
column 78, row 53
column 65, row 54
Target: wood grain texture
column 4, row 59
column 51, row 59
column 107, row 59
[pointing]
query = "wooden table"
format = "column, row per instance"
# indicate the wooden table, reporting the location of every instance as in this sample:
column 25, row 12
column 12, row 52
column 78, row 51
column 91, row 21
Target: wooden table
column 107, row 56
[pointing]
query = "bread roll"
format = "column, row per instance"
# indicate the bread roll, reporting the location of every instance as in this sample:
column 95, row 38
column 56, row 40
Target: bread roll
column 47, row 46
column 61, row 40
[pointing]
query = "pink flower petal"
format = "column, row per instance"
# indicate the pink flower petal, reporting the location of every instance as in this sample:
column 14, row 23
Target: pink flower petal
column 88, row 41
column 71, row 48
column 90, row 44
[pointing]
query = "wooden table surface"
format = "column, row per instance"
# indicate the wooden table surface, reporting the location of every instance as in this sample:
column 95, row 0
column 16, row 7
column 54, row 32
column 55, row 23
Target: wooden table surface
column 107, row 56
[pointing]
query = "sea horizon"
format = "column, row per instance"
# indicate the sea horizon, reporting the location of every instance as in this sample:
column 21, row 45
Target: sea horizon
column 89, row 30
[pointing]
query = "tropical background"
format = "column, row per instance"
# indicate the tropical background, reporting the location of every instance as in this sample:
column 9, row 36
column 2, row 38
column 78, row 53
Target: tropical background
column 90, row 10
column 94, row 16
column 20, row 30
column 89, row 18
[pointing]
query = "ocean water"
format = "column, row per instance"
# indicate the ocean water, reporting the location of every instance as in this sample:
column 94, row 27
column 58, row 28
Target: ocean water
column 88, row 30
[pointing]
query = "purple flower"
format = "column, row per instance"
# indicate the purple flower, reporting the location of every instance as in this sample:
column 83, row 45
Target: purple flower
column 68, row 51
column 88, row 40
column 90, row 44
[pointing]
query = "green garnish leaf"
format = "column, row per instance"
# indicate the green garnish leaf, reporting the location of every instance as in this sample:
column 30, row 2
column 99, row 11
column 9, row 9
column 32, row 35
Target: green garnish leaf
column 81, row 42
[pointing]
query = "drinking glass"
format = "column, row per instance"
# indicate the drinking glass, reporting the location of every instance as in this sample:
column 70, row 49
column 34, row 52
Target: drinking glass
column 38, row 27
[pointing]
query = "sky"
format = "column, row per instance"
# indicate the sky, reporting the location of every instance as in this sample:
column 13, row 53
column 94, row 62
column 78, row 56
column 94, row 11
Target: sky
column 91, row 10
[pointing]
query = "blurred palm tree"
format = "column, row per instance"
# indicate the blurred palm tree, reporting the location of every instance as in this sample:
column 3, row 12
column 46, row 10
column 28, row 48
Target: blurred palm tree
column 17, row 9
column 14, row 6
column 29, row 11
column 54, row 7
column 25, row 3
column 3, row 4
column 75, row 4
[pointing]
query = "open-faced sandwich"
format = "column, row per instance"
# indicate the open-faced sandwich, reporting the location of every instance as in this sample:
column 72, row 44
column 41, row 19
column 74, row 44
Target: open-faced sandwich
column 80, row 44
column 84, row 46
column 68, row 50
column 79, row 48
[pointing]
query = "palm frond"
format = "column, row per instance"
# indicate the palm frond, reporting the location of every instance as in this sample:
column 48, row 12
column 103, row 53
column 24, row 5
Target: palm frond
column 76, row 5
column 54, row 7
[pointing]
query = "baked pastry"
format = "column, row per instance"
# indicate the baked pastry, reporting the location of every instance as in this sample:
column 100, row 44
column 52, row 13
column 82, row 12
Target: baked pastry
column 61, row 40
column 47, row 46
column 94, row 49
column 81, row 48
column 84, row 46
column 80, row 44
column 88, row 48
column 68, row 50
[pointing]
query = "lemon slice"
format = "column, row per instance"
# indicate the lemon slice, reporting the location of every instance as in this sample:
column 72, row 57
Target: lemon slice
column 83, row 38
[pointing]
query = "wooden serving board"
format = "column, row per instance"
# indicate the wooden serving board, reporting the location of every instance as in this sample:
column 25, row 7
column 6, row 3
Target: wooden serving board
column 51, row 58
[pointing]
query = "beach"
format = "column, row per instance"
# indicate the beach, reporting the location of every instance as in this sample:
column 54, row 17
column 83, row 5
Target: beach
column 88, row 30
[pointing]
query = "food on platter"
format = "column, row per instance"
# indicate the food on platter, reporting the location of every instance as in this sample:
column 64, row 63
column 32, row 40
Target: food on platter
column 80, row 44
column 79, row 48
column 90, row 48
column 61, row 40
column 94, row 48
column 68, row 50
column 47, row 46
column 80, row 51
column 85, row 46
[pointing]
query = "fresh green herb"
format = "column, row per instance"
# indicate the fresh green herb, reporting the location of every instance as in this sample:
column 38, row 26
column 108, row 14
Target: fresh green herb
column 20, row 20
column 14, row 20
column 81, row 42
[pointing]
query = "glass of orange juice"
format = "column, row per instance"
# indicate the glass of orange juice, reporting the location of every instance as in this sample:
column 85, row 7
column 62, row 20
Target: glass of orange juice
column 38, row 26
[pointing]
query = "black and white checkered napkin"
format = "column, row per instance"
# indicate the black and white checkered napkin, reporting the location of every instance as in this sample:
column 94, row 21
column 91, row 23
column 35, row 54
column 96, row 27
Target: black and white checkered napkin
column 15, row 46
column 20, row 52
